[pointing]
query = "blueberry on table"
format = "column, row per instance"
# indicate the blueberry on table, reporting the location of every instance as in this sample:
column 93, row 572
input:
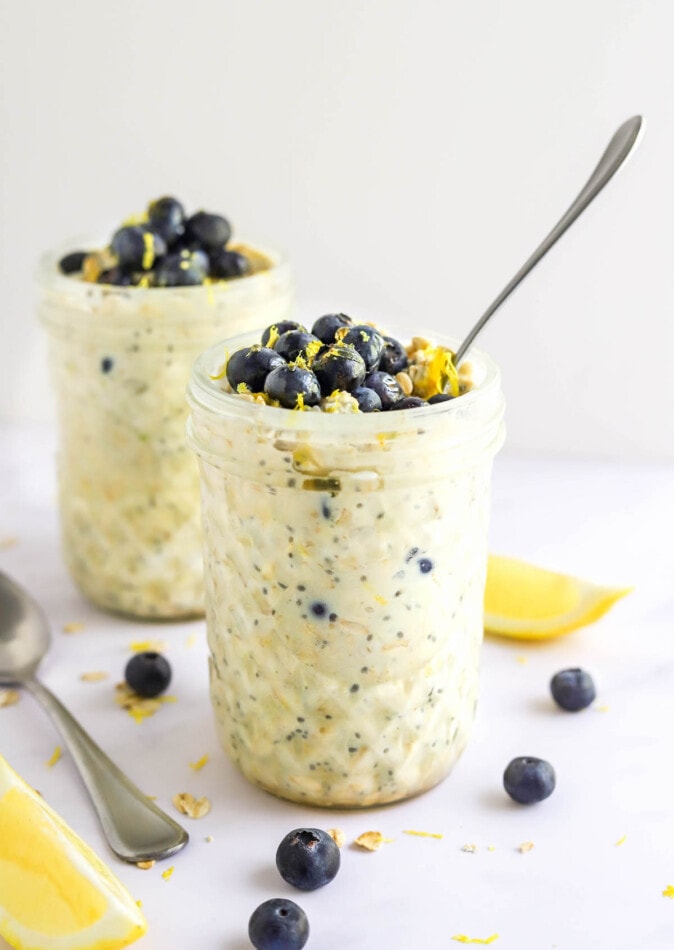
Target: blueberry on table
column 278, row 924
column 339, row 367
column 182, row 269
column 226, row 264
column 209, row 231
column 367, row 399
column 148, row 674
column 294, row 343
column 72, row 263
column 273, row 332
column 326, row 326
column 529, row 780
column 439, row 397
column 307, row 858
column 386, row 387
column 166, row 217
column 573, row 689
column 394, row 357
column 251, row 366
column 367, row 341
column 137, row 247
column 409, row 402
column 293, row 386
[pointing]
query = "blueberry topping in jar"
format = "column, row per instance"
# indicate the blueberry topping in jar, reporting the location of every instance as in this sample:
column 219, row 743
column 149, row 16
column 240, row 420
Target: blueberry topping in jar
column 251, row 366
column 209, row 231
column 393, row 358
column 367, row 399
column 182, row 269
column 366, row 341
column 339, row 367
column 294, row 343
column 273, row 332
column 386, row 387
column 116, row 276
column 72, row 263
column 293, row 387
column 137, row 248
column 409, row 402
column 226, row 264
column 166, row 216
column 326, row 327
column 439, row 397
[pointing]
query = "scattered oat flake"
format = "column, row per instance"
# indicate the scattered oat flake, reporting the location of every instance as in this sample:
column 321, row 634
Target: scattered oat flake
column 526, row 846
column 470, row 848
column 56, row 755
column 668, row 891
column 8, row 542
column 142, row 646
column 189, row 805
column 423, row 834
column 138, row 707
column 461, row 938
column 371, row 840
column 199, row 764
column 145, row 865
column 167, row 873
column 621, row 841
column 74, row 627
column 209, row 838
column 337, row 836
column 9, row 697
column 94, row 677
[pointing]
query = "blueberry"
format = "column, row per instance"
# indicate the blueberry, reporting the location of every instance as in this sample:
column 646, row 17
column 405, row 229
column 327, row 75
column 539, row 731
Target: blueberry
column 137, row 247
column 367, row 399
column 339, row 367
column 573, row 689
column 293, row 386
column 326, row 327
column 116, row 276
column 148, row 674
column 386, row 387
column 166, row 217
column 72, row 263
column 278, row 924
column 209, row 231
column 439, row 397
column 409, row 402
column 277, row 329
column 368, row 342
column 182, row 269
column 528, row 780
column 294, row 343
column 394, row 357
column 226, row 264
column 307, row 858
column 251, row 366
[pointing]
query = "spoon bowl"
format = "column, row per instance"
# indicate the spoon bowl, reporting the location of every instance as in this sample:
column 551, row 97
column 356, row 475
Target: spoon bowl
column 24, row 633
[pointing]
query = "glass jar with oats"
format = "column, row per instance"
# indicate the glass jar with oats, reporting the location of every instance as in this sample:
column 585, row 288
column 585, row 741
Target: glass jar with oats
column 345, row 561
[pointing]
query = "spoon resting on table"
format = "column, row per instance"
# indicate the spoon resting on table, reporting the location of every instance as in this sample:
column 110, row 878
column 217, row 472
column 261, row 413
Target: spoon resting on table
column 616, row 152
column 136, row 829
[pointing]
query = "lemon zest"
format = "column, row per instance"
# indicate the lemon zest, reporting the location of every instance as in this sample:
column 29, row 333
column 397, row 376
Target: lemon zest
column 299, row 405
column 311, row 349
column 223, row 369
column 148, row 253
column 273, row 336
column 621, row 841
column 242, row 389
column 423, row 834
column 55, row 756
column 167, row 873
column 668, row 891
column 143, row 646
column 199, row 764
column 461, row 938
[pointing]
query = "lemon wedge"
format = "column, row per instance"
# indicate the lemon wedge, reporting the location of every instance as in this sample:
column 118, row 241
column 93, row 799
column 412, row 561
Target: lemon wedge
column 530, row 603
column 55, row 893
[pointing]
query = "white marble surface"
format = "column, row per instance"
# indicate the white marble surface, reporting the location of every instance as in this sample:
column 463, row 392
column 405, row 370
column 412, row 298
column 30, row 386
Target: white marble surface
column 577, row 889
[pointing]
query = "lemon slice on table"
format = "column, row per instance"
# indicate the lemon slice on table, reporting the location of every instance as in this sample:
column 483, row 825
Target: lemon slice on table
column 55, row 893
column 530, row 603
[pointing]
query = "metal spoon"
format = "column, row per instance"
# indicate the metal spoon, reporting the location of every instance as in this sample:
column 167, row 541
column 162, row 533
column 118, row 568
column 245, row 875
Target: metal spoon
column 136, row 829
column 616, row 152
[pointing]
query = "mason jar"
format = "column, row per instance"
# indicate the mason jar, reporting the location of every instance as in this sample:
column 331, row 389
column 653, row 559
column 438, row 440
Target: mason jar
column 128, row 487
column 345, row 561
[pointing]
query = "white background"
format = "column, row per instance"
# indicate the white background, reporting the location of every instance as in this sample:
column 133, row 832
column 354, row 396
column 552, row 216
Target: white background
column 408, row 154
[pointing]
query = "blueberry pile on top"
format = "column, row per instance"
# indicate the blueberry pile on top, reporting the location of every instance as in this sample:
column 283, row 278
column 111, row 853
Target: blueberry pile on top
column 164, row 247
column 342, row 366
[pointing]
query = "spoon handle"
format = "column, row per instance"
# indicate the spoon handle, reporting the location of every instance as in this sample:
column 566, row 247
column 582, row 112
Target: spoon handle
column 136, row 829
column 616, row 152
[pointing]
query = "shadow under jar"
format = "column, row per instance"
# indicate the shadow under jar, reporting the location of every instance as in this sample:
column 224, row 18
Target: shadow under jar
column 120, row 360
column 345, row 563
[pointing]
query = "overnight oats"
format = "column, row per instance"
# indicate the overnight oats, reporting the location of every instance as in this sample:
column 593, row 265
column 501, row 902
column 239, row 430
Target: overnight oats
column 125, row 323
column 345, row 501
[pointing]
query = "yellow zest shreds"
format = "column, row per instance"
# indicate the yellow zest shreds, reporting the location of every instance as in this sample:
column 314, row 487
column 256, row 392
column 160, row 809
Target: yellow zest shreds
column 299, row 405
column 73, row 627
column 143, row 646
column 191, row 640
column 55, row 756
column 138, row 707
column 193, row 807
column 223, row 369
column 668, row 891
column 94, row 677
column 311, row 349
column 621, row 841
column 526, row 846
column 134, row 219
column 145, row 865
column 273, row 336
column 337, row 836
column 522, row 659
column 9, row 697
column 434, row 372
column 461, row 938
column 491, row 847
column 8, row 542
column 602, row 707
column 167, row 873
column 199, row 764
column 423, row 834
column 371, row 840
column 469, row 848
column 243, row 390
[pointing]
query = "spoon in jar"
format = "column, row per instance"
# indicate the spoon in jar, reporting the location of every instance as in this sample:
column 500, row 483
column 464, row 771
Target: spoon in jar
column 136, row 829
column 616, row 152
